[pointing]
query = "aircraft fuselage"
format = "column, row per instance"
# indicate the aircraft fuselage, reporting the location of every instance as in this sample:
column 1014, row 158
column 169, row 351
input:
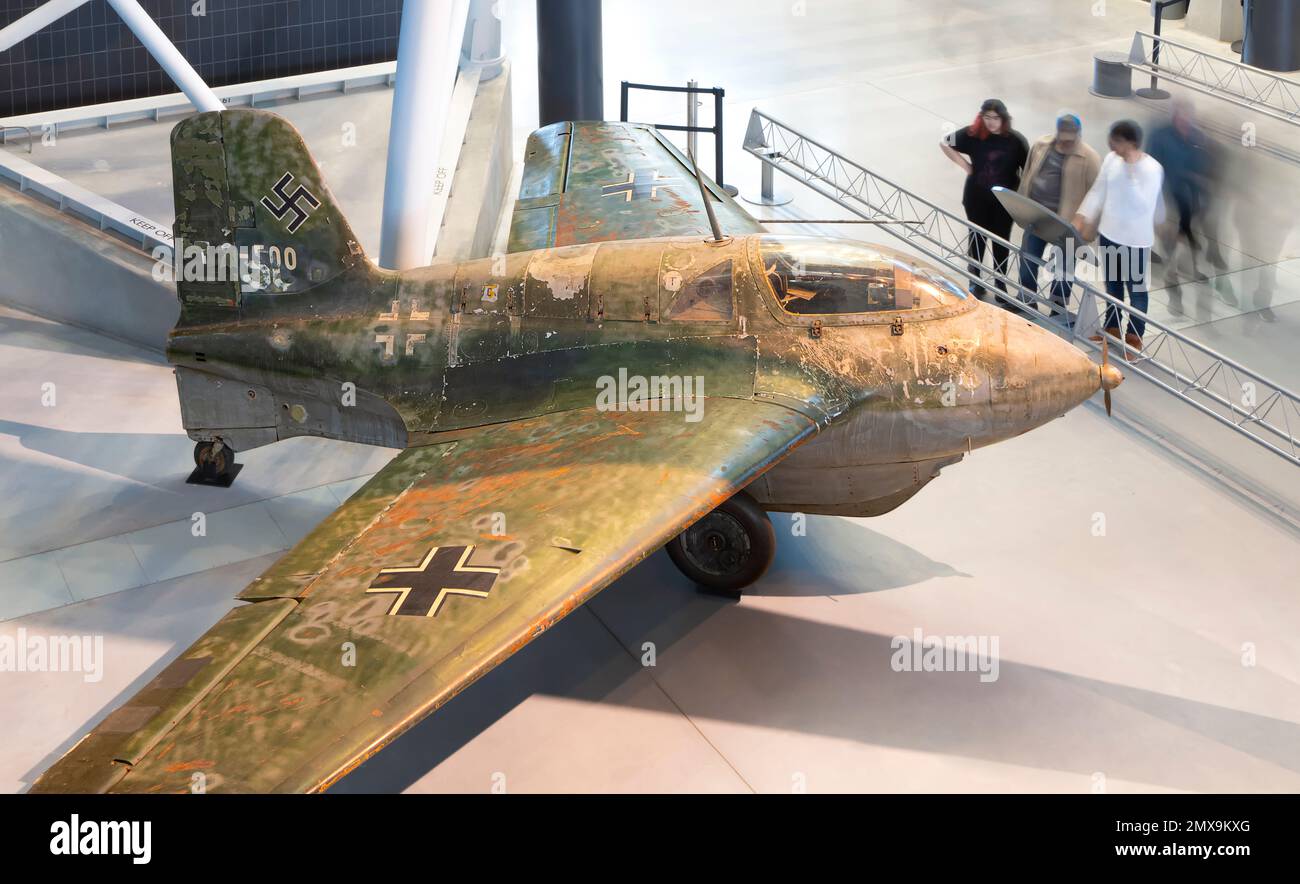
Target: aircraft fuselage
column 403, row 359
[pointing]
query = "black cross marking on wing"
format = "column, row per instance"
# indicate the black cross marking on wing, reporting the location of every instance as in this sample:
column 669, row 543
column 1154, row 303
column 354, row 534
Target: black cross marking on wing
column 289, row 202
column 637, row 186
column 422, row 589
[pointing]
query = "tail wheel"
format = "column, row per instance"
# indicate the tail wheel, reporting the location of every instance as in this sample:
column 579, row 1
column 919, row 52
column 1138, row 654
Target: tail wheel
column 729, row 548
column 214, row 458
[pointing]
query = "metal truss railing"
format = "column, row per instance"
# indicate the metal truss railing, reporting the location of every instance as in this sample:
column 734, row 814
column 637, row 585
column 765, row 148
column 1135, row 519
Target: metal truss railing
column 1240, row 84
column 1213, row 384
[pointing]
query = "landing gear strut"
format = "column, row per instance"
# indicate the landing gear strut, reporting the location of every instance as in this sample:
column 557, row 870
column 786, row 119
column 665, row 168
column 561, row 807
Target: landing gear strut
column 214, row 464
column 728, row 549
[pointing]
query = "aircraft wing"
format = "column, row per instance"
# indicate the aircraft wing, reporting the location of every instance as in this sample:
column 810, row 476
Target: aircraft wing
column 450, row 559
column 594, row 182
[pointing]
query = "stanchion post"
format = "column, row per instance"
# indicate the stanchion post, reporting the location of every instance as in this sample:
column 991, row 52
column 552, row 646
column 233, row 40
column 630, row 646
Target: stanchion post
column 1154, row 91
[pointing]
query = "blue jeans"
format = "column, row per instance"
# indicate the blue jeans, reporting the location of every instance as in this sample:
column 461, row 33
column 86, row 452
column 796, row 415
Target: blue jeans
column 1126, row 267
column 1034, row 246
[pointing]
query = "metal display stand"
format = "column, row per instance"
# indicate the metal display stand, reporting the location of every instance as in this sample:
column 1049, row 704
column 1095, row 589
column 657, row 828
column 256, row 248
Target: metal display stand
column 1154, row 91
column 691, row 91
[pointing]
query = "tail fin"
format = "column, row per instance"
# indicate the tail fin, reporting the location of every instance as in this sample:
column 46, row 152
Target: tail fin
column 254, row 219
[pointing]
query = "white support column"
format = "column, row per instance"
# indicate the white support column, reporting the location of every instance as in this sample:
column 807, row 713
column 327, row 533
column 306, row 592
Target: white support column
column 47, row 13
column 167, row 55
column 482, row 48
column 428, row 56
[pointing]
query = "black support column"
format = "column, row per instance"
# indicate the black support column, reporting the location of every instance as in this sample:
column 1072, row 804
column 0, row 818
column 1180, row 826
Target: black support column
column 570, row 65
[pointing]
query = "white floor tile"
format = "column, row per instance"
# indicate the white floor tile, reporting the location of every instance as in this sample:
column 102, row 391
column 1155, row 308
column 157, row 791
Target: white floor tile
column 31, row 584
column 172, row 550
column 100, row 567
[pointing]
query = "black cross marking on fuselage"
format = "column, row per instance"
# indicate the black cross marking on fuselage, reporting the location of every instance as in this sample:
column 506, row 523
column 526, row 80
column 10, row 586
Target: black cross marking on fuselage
column 289, row 202
column 423, row 588
column 638, row 185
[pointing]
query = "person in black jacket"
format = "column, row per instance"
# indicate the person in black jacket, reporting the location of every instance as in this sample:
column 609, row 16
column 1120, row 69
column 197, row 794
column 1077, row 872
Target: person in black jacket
column 991, row 153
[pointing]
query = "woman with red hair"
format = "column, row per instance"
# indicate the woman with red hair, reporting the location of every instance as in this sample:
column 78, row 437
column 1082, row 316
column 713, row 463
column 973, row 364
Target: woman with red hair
column 992, row 154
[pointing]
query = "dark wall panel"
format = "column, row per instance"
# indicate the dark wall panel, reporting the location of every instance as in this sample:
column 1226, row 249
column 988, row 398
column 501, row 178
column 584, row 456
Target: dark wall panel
column 89, row 56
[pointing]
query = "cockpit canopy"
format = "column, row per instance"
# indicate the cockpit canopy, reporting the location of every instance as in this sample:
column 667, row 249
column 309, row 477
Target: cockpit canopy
column 819, row 276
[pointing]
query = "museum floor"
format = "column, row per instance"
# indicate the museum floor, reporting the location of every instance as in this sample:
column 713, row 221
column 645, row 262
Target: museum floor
column 1159, row 655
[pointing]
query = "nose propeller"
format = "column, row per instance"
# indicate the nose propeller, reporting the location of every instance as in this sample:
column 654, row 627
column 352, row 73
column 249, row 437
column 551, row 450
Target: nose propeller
column 1111, row 377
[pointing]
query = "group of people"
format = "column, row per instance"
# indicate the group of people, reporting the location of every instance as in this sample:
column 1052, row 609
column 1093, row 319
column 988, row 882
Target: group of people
column 1118, row 201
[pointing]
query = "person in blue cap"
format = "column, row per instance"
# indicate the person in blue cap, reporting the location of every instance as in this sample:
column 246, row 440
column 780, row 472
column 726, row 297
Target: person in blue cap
column 1060, row 172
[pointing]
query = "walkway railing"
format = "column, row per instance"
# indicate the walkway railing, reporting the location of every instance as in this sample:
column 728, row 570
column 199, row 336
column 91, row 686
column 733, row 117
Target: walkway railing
column 1245, row 86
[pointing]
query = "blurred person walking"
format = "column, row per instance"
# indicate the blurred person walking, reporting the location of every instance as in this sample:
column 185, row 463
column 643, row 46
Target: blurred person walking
column 1060, row 171
column 1123, row 207
column 1188, row 157
column 992, row 154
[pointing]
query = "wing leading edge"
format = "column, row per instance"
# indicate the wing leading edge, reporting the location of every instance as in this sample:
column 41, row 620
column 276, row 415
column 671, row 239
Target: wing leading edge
column 448, row 561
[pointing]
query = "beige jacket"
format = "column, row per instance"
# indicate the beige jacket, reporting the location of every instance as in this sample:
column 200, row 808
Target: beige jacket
column 1077, row 173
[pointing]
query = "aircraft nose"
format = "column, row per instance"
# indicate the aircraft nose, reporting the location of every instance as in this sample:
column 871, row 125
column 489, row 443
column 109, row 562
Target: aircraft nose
column 1111, row 377
column 1047, row 376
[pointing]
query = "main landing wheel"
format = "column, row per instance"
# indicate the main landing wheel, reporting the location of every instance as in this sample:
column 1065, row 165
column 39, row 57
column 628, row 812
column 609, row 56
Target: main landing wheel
column 215, row 459
column 729, row 548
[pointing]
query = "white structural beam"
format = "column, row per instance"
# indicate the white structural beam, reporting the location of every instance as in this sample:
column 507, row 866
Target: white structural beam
column 428, row 56
column 167, row 55
column 46, row 13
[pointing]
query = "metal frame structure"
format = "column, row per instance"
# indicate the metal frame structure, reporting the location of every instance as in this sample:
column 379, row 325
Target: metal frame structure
column 146, row 30
column 1245, row 86
column 691, row 91
column 107, row 215
column 1213, row 384
column 156, row 108
column 429, row 54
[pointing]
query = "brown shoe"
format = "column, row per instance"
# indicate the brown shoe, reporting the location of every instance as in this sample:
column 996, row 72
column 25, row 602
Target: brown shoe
column 1113, row 332
column 1134, row 348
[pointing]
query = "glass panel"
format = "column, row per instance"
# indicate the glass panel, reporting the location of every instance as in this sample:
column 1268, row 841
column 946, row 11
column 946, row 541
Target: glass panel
column 823, row 276
column 706, row 298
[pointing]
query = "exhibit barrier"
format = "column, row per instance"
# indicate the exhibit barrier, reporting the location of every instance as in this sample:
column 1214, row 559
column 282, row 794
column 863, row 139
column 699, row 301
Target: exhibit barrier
column 1240, row 84
column 70, row 272
column 90, row 207
column 1216, row 386
column 691, row 128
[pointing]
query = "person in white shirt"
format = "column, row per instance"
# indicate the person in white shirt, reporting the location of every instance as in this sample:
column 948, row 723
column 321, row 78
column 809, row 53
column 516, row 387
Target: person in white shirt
column 1123, row 207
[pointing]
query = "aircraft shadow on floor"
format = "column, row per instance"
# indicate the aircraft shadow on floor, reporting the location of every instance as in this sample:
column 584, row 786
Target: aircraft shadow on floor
column 836, row 551
column 50, row 336
column 748, row 665
column 155, row 467
column 132, row 456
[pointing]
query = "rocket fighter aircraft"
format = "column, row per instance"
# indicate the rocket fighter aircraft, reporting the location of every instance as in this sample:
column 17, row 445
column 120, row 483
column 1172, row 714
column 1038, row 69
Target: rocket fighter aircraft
column 646, row 366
